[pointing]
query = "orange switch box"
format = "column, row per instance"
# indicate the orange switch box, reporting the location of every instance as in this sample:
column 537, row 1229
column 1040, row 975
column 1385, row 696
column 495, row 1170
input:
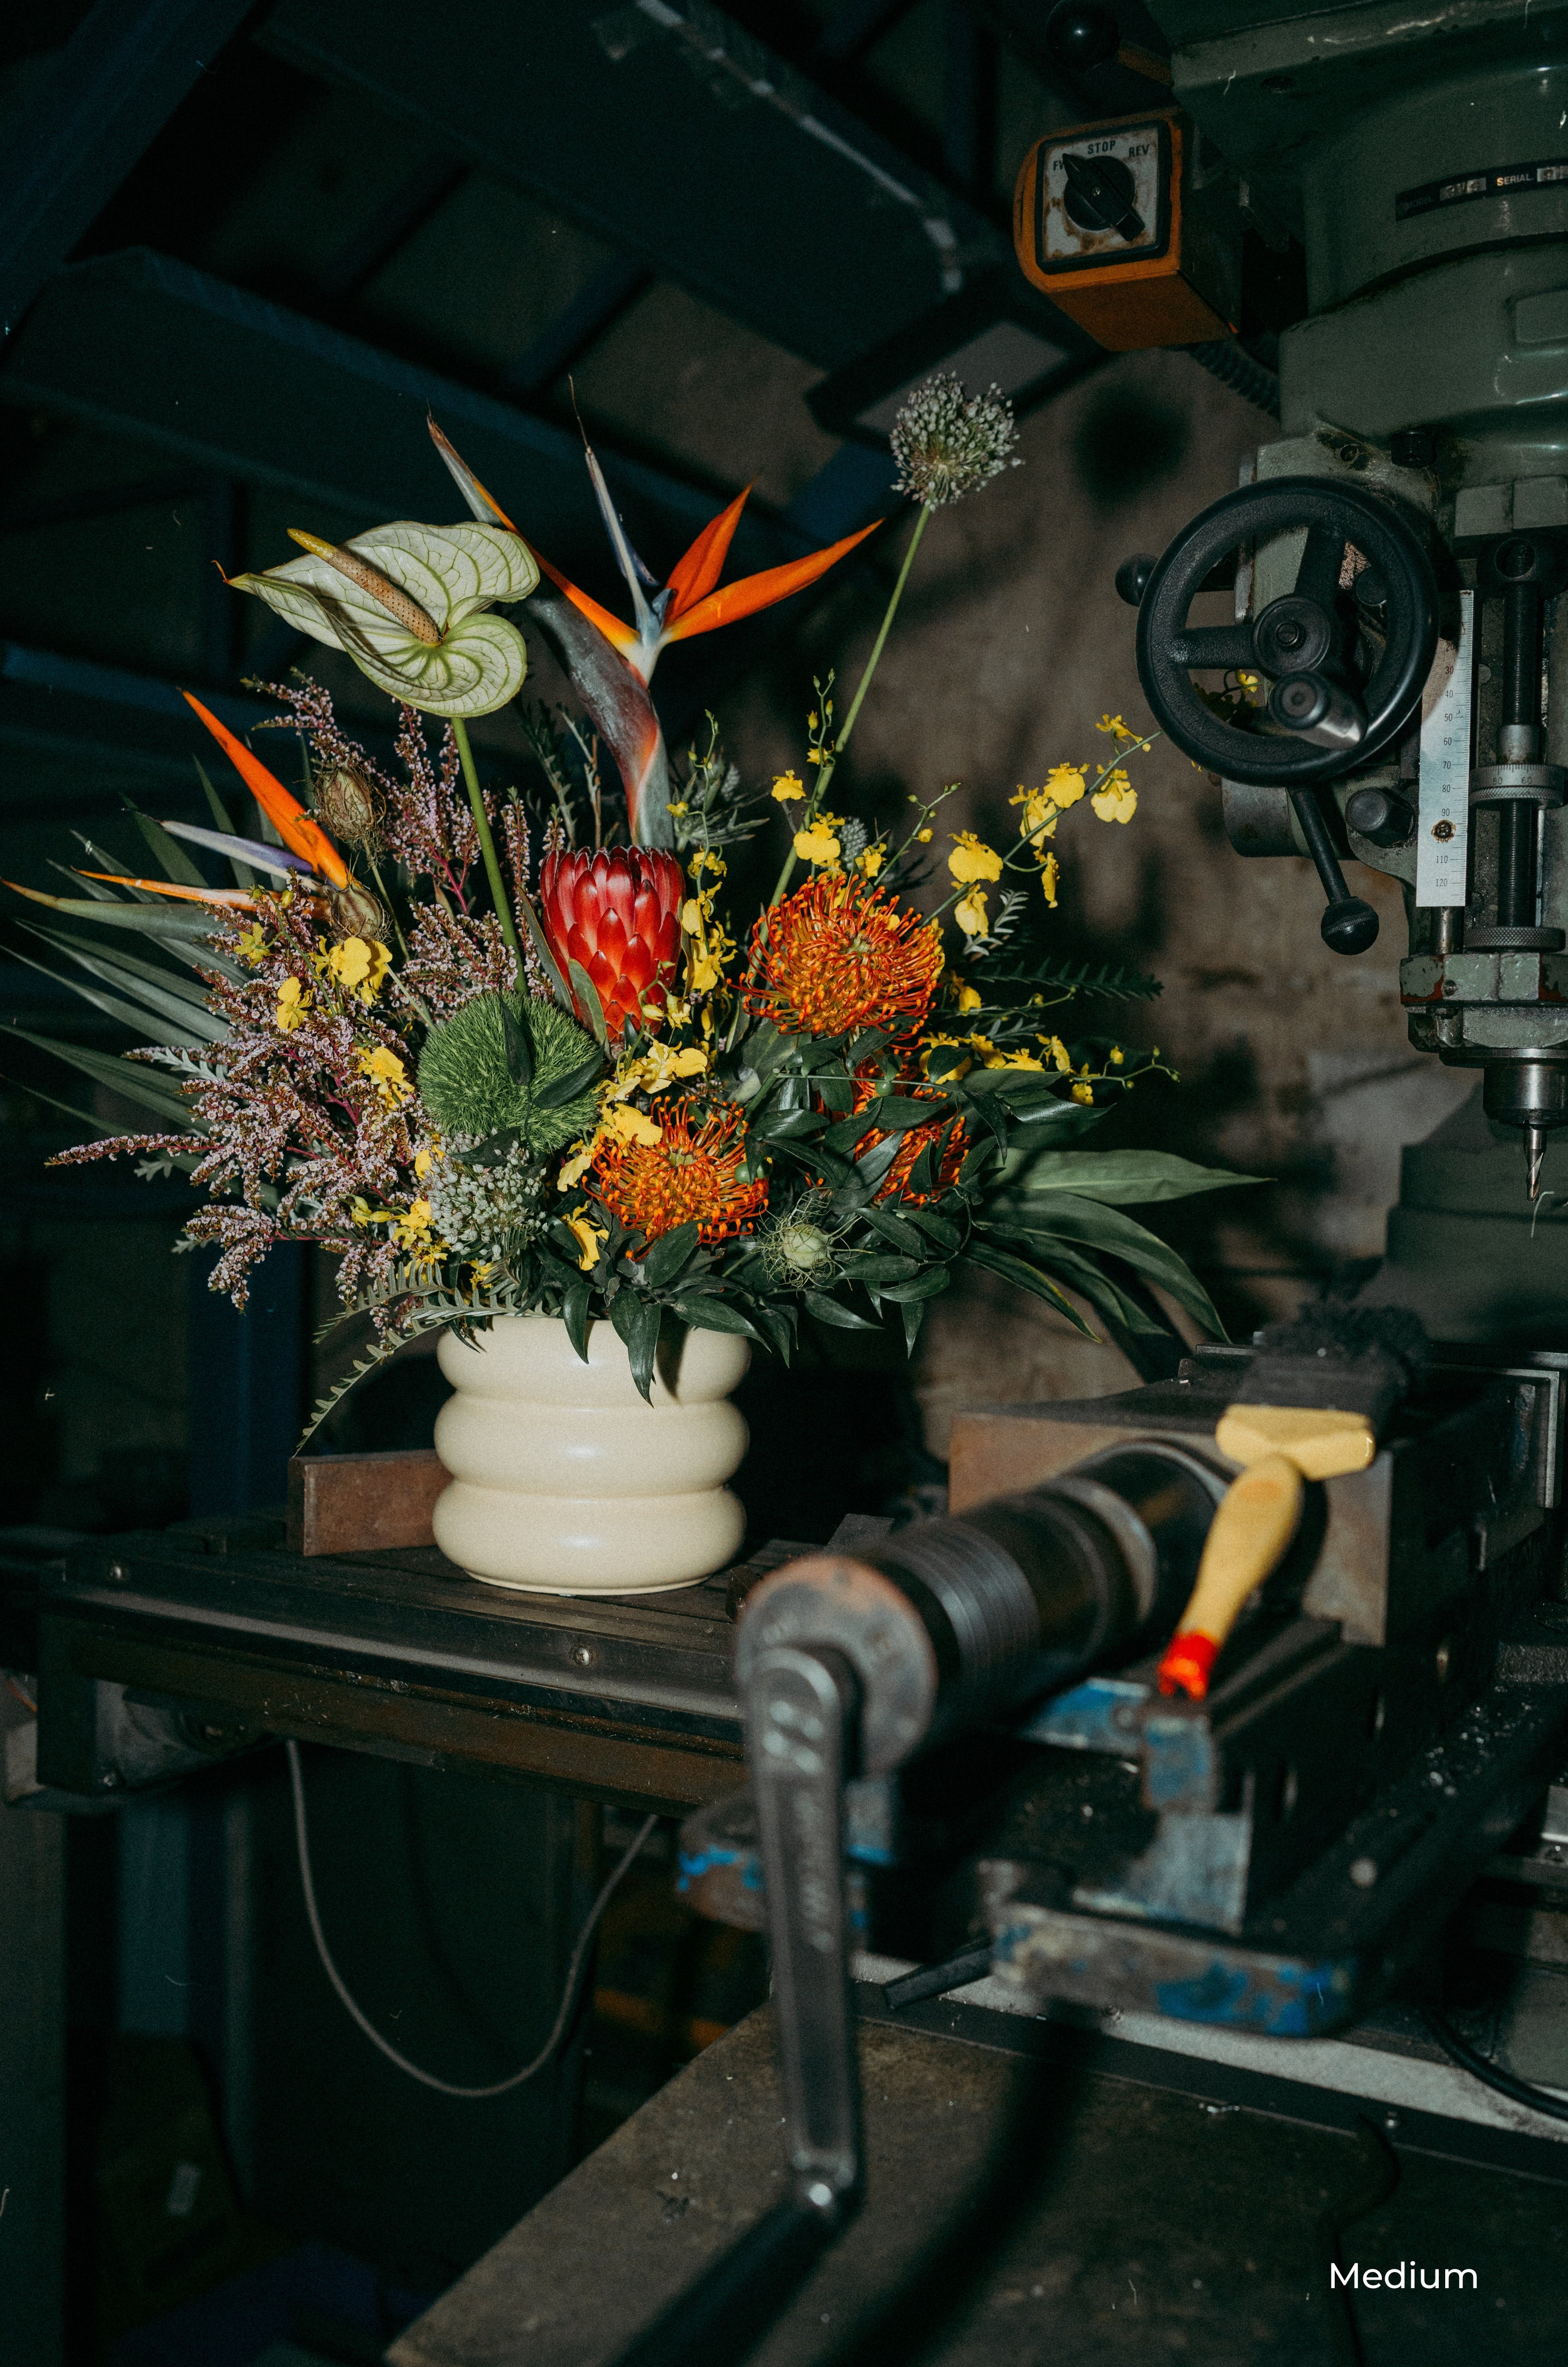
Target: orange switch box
column 1108, row 223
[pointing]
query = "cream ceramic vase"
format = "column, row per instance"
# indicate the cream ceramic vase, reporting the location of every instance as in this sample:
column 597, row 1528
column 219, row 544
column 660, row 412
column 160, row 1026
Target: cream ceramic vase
column 565, row 1481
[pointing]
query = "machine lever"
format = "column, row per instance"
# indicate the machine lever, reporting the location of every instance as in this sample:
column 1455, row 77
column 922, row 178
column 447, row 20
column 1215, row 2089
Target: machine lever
column 937, row 1980
column 1318, row 708
column 801, row 1703
column 1349, row 926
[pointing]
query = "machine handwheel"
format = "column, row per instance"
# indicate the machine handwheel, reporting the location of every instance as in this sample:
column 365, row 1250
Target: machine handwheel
column 1346, row 652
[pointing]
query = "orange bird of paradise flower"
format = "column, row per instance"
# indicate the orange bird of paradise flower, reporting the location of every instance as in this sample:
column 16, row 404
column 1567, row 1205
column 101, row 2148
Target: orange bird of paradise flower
column 612, row 662
column 306, row 852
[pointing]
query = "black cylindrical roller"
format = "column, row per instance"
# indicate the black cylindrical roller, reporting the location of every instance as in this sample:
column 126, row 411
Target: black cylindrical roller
column 953, row 1621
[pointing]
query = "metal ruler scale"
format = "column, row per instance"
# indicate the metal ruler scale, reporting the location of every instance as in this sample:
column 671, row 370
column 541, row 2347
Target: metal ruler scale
column 1443, row 825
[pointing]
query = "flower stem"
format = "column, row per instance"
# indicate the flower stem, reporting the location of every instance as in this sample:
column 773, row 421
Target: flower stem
column 386, row 900
column 486, row 842
column 880, row 642
column 826, row 773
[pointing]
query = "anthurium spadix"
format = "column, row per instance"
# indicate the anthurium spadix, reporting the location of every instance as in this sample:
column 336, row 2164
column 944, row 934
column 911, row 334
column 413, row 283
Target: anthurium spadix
column 610, row 661
column 409, row 604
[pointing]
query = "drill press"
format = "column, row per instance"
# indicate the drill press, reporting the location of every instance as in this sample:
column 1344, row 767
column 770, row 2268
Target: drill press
column 1397, row 561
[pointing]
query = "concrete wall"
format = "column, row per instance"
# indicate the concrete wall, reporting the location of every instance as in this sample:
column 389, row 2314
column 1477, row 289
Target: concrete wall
column 1294, row 1063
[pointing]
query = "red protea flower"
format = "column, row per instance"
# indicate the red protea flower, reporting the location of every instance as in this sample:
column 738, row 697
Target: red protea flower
column 616, row 913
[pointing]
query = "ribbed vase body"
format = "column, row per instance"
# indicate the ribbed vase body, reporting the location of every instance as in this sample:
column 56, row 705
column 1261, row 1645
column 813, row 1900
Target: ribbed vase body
column 565, row 1481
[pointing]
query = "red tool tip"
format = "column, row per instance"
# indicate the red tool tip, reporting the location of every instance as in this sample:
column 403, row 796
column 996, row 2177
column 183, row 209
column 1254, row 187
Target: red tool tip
column 1185, row 1663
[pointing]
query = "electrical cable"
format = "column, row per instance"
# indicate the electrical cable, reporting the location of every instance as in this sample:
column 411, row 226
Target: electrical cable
column 1228, row 360
column 1382, row 2164
column 1492, row 2075
column 428, row 2079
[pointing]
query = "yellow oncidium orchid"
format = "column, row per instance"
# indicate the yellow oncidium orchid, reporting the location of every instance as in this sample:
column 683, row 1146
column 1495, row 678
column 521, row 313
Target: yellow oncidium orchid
column 971, row 859
column 590, row 1239
column 1118, row 801
column 820, row 845
column 661, row 1065
column 360, row 965
column 293, row 1002
column 387, row 1074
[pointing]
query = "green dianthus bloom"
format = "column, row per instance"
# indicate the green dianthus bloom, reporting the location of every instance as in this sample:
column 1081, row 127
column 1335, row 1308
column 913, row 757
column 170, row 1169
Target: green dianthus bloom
column 469, row 1080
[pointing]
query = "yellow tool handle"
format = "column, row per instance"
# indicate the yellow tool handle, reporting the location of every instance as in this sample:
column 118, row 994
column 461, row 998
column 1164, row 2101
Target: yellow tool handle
column 1322, row 1442
column 1247, row 1539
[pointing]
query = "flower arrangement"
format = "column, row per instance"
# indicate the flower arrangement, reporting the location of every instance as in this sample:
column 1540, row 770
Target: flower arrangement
column 508, row 1054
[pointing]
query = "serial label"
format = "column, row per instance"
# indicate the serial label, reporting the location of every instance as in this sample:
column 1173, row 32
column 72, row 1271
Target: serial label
column 1442, row 844
column 1497, row 181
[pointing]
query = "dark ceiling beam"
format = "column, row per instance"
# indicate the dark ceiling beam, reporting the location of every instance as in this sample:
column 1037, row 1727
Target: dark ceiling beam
column 420, row 195
column 855, row 27
column 100, row 501
column 111, row 728
column 44, row 680
column 572, row 331
column 147, row 348
column 110, row 93
column 671, row 134
column 969, row 101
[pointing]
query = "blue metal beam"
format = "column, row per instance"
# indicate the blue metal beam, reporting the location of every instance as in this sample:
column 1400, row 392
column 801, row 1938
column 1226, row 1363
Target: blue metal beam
column 73, row 735
column 48, row 674
column 108, row 94
column 673, row 134
column 145, row 347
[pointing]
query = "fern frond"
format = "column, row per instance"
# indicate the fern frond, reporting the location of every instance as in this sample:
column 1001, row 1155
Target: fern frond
column 378, row 1353
column 1112, row 980
column 1007, row 920
column 191, row 1063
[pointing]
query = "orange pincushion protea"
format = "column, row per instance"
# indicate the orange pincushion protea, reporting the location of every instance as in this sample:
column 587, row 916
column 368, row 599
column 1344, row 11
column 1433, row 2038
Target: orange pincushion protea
column 653, row 1187
column 838, row 954
column 896, row 1183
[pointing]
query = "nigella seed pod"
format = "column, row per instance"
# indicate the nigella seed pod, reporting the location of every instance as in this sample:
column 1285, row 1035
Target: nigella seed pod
column 349, row 806
column 353, row 911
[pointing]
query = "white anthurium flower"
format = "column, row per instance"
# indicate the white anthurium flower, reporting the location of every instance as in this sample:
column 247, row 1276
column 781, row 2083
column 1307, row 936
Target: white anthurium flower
column 407, row 602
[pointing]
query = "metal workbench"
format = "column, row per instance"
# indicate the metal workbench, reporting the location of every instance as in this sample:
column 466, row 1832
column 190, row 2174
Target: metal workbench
column 209, row 1636
column 1034, row 2193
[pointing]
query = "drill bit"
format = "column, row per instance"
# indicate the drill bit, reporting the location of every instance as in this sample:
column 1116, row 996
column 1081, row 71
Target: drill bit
column 1535, row 1151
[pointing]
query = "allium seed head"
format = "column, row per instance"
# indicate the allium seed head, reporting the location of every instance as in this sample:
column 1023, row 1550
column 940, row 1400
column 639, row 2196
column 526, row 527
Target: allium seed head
column 948, row 443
